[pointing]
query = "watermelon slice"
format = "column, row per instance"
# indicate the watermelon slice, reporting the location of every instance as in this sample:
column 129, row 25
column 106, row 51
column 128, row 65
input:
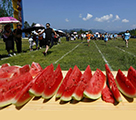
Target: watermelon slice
column 84, row 80
column 112, row 84
column 71, row 84
column 125, row 85
column 96, row 85
column 6, row 77
column 23, row 96
column 62, row 86
column 53, row 83
column 9, row 90
column 35, row 69
column 7, row 72
column 132, row 75
column 107, row 95
column 5, row 65
column 22, row 70
column 38, row 86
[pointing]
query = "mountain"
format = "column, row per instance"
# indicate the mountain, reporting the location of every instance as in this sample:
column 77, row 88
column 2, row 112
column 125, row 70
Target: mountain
column 93, row 30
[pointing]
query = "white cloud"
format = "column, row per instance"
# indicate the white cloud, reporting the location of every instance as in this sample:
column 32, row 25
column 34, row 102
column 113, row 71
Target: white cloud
column 89, row 16
column 66, row 20
column 104, row 18
column 80, row 15
column 125, row 20
column 117, row 18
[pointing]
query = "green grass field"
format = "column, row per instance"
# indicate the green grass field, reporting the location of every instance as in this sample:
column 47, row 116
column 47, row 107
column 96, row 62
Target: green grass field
column 69, row 54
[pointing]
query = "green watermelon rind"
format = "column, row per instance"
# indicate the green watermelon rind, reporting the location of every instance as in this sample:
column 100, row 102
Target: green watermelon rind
column 33, row 92
column 18, row 104
column 65, row 98
column 6, row 103
column 93, row 96
column 21, row 104
column 121, row 90
column 48, row 97
column 76, row 97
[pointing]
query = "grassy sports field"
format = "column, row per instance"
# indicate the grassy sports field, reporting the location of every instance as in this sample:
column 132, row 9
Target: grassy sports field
column 69, row 54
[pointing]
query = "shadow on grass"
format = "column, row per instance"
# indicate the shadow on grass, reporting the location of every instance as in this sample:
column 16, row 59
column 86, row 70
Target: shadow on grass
column 3, row 56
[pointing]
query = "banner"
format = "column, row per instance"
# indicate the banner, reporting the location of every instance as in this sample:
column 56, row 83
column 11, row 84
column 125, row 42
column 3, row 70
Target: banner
column 17, row 6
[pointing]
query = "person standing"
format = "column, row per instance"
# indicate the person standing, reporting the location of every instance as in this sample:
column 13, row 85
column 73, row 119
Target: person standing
column 18, row 38
column 8, row 39
column 126, row 37
column 48, row 31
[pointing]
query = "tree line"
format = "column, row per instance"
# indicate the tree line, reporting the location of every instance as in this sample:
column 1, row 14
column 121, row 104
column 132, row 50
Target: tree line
column 132, row 32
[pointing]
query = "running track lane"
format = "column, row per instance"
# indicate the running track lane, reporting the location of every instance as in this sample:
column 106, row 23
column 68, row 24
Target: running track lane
column 103, row 56
column 125, row 51
column 67, row 53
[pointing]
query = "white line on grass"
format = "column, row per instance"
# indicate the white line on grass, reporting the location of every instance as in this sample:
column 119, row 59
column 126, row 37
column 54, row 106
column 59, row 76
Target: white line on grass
column 125, row 51
column 103, row 56
column 67, row 53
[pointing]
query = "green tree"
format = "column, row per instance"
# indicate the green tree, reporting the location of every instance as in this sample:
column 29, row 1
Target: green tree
column 6, row 8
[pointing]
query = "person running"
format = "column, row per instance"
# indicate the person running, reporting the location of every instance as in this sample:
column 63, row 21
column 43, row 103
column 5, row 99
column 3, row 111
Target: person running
column 88, row 36
column 18, row 38
column 106, row 38
column 126, row 37
column 48, row 31
column 8, row 39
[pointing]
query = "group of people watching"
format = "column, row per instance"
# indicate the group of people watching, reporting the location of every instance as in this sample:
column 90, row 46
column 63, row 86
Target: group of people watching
column 45, row 37
column 10, row 36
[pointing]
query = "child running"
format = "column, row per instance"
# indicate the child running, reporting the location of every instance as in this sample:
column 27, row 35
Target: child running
column 88, row 36
column 106, row 38
column 126, row 37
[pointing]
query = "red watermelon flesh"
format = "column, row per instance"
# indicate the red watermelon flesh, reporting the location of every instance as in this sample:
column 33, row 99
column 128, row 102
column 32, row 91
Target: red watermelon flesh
column 23, row 96
column 9, row 90
column 10, row 76
column 96, row 85
column 62, row 86
column 7, row 72
column 6, row 75
column 84, row 80
column 5, row 65
column 112, row 84
column 35, row 69
column 132, row 75
column 107, row 95
column 22, row 70
column 125, row 85
column 4, row 81
column 71, row 84
column 39, row 81
column 52, row 85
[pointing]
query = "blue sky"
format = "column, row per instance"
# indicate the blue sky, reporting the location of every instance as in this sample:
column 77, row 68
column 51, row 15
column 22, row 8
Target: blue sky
column 89, row 14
